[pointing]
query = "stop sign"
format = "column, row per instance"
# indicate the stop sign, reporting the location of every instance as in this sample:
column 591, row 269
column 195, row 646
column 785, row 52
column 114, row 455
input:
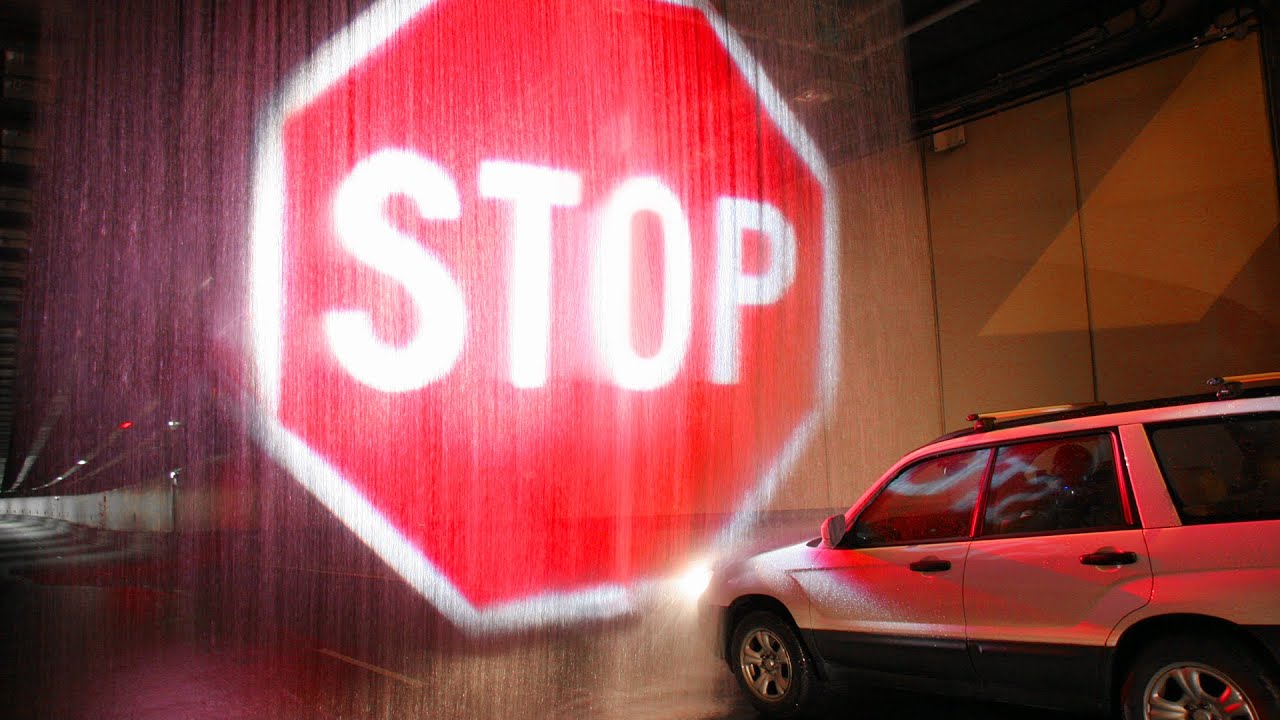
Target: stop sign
column 542, row 293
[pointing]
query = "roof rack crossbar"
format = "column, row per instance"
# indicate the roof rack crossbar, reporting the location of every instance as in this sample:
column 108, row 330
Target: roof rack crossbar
column 987, row 421
column 1229, row 385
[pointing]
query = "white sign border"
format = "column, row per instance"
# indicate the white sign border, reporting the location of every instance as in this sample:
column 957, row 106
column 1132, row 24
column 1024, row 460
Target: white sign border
column 332, row 61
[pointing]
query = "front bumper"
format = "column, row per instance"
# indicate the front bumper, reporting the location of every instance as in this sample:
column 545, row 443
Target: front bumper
column 713, row 624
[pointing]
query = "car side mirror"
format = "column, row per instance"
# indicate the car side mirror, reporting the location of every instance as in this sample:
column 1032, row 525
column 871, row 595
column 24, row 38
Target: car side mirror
column 833, row 531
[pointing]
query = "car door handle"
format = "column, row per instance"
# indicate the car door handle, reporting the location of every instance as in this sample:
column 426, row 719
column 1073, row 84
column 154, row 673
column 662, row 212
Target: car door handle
column 930, row 565
column 1109, row 557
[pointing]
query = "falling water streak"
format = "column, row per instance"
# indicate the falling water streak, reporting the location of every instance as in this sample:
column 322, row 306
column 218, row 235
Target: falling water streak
column 565, row 657
column 56, row 407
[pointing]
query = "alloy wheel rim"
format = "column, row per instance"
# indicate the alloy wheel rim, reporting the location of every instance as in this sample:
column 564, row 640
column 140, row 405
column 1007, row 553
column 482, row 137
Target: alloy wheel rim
column 765, row 665
column 1192, row 691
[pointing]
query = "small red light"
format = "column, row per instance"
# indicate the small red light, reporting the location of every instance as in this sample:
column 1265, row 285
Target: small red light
column 126, row 425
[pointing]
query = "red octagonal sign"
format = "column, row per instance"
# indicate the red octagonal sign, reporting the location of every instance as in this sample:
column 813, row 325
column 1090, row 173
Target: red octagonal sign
column 541, row 290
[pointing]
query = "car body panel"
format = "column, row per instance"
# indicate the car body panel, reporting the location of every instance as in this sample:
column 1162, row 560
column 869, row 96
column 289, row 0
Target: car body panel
column 1036, row 590
column 770, row 574
column 1038, row 619
column 1224, row 570
column 1149, row 489
column 870, row 607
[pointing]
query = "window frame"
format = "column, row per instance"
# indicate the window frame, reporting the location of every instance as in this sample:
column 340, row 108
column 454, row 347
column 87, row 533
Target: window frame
column 850, row 541
column 1127, row 503
column 1175, row 500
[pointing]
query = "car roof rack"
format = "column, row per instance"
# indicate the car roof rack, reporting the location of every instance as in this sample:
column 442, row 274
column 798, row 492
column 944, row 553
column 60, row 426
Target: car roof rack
column 983, row 422
column 1229, row 386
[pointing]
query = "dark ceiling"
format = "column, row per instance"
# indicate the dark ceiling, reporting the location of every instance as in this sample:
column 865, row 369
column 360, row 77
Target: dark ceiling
column 840, row 62
column 970, row 57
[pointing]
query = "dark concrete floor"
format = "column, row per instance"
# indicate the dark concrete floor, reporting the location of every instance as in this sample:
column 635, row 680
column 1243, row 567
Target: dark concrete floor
column 103, row 626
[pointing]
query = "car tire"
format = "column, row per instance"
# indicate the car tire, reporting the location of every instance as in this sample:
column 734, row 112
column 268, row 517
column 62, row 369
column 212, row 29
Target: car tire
column 772, row 666
column 1199, row 676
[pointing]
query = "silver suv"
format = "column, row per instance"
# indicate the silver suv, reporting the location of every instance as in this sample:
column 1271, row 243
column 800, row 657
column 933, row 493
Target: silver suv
column 1122, row 559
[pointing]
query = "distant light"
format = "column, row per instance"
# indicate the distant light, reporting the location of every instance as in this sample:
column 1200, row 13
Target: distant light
column 125, row 425
column 694, row 581
column 82, row 462
column 174, row 423
column 814, row 95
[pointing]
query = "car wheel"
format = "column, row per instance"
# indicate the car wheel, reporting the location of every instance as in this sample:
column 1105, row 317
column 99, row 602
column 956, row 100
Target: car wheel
column 771, row 665
column 1199, row 678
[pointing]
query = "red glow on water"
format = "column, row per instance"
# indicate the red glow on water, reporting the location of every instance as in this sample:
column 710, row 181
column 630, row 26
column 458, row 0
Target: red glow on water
column 599, row 481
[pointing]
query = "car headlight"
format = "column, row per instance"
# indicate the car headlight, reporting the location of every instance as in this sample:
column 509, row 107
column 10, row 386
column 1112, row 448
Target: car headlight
column 694, row 580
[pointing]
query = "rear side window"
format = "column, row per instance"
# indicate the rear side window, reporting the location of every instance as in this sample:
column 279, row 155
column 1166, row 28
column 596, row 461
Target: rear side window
column 1058, row 485
column 930, row 501
column 1222, row 470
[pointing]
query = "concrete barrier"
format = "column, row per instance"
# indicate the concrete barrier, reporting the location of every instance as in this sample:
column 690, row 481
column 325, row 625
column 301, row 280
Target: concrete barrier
column 134, row 508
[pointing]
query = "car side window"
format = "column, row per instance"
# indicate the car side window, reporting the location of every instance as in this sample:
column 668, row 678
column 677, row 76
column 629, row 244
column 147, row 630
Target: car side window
column 930, row 501
column 1221, row 470
column 1059, row 485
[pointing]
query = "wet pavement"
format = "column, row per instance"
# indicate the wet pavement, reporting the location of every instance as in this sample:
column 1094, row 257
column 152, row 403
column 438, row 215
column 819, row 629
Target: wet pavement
column 104, row 626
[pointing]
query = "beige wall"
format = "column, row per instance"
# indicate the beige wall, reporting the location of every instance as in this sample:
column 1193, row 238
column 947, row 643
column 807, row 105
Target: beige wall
column 1140, row 254
column 887, row 402
column 1124, row 235
column 995, row 206
column 1179, row 212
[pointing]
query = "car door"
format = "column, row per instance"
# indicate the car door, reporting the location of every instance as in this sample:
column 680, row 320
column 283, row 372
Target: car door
column 1218, row 555
column 1059, row 559
column 888, row 601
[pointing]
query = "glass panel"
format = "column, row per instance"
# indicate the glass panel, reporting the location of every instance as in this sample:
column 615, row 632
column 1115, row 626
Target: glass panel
column 929, row 501
column 1221, row 470
column 1055, row 485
